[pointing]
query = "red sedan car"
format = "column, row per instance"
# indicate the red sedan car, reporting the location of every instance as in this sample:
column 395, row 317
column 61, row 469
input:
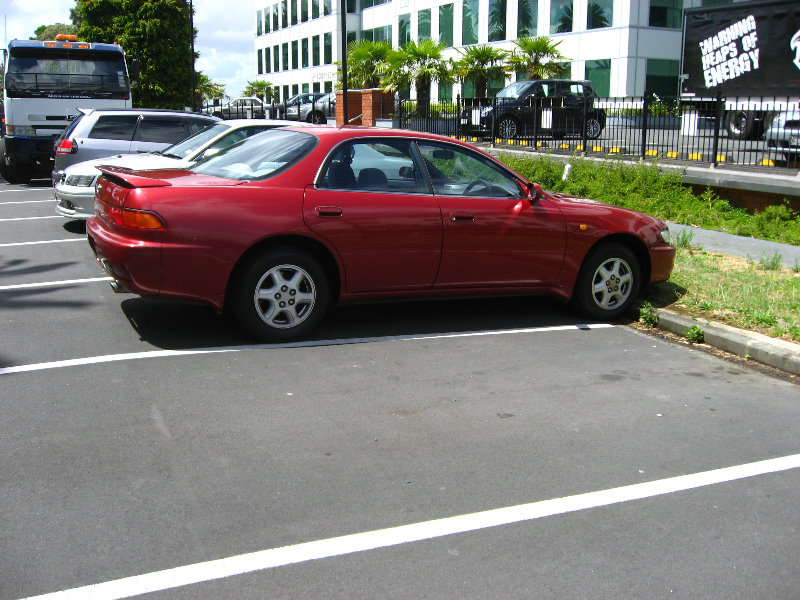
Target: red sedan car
column 284, row 223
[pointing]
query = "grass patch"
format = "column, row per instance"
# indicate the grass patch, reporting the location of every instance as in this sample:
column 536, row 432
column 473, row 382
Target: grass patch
column 734, row 291
column 645, row 188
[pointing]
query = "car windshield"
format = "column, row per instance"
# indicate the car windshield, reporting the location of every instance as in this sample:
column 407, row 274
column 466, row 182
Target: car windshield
column 515, row 90
column 258, row 157
column 185, row 147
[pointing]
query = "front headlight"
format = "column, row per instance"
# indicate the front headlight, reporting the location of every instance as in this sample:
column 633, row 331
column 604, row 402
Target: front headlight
column 80, row 180
column 665, row 236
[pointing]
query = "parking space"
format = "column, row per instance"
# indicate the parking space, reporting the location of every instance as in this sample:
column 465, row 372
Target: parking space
column 148, row 440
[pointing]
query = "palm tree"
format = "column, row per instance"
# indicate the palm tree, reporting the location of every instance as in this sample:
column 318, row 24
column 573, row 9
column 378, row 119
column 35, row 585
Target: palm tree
column 538, row 57
column 364, row 60
column 419, row 63
column 479, row 65
column 260, row 89
column 206, row 89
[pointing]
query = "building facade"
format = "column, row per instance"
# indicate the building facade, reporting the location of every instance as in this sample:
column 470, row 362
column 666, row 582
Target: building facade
column 623, row 46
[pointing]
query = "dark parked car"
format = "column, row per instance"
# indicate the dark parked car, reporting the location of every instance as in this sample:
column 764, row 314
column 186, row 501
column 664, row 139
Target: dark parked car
column 556, row 107
column 104, row 132
column 287, row 221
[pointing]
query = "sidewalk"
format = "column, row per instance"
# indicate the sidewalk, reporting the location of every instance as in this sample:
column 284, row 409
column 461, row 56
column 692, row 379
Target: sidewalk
column 773, row 352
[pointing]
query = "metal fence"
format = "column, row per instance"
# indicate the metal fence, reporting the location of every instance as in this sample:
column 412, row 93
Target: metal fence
column 741, row 131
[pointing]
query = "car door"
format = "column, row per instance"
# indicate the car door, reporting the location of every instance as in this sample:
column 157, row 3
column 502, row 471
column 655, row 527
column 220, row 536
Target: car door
column 155, row 132
column 494, row 236
column 570, row 114
column 372, row 205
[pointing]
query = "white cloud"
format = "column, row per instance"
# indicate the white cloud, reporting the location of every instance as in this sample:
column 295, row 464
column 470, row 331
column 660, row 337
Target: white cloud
column 224, row 34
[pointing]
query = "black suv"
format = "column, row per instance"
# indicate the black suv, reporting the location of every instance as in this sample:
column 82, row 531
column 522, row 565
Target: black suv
column 554, row 107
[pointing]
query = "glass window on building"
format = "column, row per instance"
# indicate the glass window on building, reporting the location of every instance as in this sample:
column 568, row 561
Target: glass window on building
column 259, row 62
column 295, row 12
column 560, row 16
column 315, row 51
column 445, row 92
column 527, row 13
column 424, row 24
column 267, row 60
column 267, row 19
column 304, row 53
column 352, row 36
column 497, row 20
column 305, row 88
column 315, row 9
column 259, row 22
column 303, row 11
column 599, row 73
column 404, row 29
column 446, row 24
column 328, row 58
column 276, row 59
column 276, row 17
column 295, row 89
column 284, row 13
column 469, row 22
column 315, row 86
column 328, row 86
column 294, row 54
column 285, row 55
column 495, row 85
column 285, row 92
column 326, row 7
column 666, row 13
column 601, row 14
column 352, row 6
column 662, row 77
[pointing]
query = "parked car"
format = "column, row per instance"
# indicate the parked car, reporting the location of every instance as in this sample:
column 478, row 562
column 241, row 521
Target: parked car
column 291, row 108
column 784, row 133
column 104, row 132
column 317, row 111
column 554, row 107
column 74, row 188
column 289, row 220
column 238, row 108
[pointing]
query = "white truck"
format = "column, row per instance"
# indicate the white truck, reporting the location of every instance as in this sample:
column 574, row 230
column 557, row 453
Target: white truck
column 45, row 82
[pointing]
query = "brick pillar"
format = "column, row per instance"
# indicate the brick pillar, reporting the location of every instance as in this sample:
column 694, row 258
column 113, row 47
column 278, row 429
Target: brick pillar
column 375, row 104
column 353, row 108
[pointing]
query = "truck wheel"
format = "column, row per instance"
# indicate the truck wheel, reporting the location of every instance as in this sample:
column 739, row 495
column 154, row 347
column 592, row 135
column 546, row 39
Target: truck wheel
column 739, row 124
column 15, row 175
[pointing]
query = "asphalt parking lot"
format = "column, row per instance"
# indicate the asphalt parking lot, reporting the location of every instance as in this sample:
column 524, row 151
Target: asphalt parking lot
column 496, row 448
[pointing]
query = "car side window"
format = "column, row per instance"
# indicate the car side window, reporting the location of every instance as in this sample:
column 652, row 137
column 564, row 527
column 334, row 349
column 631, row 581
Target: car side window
column 114, row 127
column 458, row 171
column 196, row 125
column 161, row 130
column 373, row 165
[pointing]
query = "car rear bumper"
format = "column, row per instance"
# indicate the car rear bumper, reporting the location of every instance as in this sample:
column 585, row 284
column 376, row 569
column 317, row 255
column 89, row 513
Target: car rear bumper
column 135, row 263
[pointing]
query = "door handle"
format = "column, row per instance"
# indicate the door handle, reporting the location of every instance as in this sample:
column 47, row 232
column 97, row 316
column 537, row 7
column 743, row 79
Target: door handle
column 328, row 211
column 462, row 216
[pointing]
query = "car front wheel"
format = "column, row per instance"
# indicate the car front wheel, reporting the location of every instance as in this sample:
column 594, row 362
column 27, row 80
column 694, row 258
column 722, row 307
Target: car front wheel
column 608, row 282
column 280, row 296
column 593, row 128
column 507, row 128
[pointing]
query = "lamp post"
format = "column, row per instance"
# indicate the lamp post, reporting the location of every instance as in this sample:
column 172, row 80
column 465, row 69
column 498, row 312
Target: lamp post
column 191, row 33
column 344, row 60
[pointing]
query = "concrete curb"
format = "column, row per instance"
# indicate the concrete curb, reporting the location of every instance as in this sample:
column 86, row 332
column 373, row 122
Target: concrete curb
column 773, row 352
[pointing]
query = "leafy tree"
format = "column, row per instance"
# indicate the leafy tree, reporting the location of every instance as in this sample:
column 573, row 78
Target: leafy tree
column 206, row 89
column 364, row 60
column 480, row 65
column 49, row 32
column 538, row 58
column 157, row 33
column 419, row 63
column 260, row 89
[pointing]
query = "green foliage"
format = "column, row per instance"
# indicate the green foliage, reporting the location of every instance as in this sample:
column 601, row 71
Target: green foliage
column 419, row 63
column 694, row 334
column 364, row 60
column 207, row 89
column 772, row 263
column 538, row 58
column 260, row 89
column 157, row 33
column 683, row 239
column 49, row 32
column 648, row 315
column 645, row 188
column 479, row 65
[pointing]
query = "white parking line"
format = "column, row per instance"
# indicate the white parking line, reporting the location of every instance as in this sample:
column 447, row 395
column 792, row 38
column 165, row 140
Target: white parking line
column 93, row 360
column 32, row 218
column 43, row 242
column 415, row 532
column 26, row 202
column 22, row 286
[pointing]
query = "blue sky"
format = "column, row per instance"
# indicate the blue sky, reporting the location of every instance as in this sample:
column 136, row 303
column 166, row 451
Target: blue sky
column 224, row 34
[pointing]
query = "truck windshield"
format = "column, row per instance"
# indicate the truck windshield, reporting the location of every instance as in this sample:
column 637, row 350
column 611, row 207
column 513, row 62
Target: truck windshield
column 62, row 73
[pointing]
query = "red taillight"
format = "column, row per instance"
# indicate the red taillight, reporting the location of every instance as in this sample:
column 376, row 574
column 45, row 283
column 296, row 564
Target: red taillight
column 130, row 218
column 66, row 146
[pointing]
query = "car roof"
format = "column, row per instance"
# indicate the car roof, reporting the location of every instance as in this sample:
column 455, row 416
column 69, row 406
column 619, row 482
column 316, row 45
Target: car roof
column 141, row 111
column 347, row 132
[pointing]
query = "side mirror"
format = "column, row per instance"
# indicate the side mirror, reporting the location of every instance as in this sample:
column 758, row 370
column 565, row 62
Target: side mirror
column 407, row 173
column 534, row 191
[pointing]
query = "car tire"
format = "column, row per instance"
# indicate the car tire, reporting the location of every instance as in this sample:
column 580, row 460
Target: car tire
column 593, row 128
column 15, row 175
column 317, row 118
column 608, row 282
column 507, row 128
column 739, row 124
column 280, row 295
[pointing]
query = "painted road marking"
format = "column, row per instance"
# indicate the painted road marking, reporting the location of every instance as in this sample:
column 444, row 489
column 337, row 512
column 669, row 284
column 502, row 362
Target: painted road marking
column 93, row 360
column 415, row 532
column 31, row 218
column 42, row 242
column 26, row 202
column 22, row 286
